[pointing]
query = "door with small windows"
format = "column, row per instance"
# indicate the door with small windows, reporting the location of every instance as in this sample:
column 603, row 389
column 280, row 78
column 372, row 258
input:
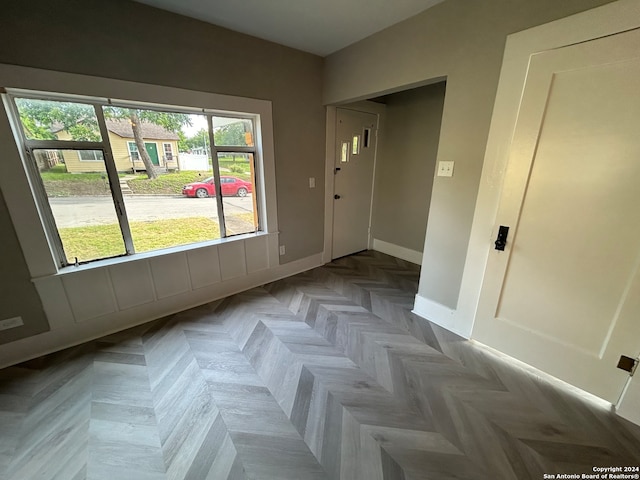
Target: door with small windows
column 353, row 181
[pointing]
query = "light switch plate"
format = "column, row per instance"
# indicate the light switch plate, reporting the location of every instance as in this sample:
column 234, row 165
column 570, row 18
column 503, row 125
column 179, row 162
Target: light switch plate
column 445, row 169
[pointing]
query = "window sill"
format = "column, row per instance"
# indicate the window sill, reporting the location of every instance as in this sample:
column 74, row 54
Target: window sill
column 108, row 262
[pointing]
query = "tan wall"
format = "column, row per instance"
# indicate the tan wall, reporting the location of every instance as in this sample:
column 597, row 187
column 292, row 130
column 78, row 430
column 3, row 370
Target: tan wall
column 463, row 41
column 125, row 40
column 407, row 149
column 18, row 297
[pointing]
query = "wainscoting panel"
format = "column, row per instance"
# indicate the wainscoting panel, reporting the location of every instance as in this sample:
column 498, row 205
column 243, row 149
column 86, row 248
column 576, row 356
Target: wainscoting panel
column 89, row 293
column 132, row 284
column 170, row 274
column 204, row 266
column 232, row 260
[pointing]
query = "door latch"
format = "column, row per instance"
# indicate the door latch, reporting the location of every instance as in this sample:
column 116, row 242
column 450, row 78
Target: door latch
column 501, row 241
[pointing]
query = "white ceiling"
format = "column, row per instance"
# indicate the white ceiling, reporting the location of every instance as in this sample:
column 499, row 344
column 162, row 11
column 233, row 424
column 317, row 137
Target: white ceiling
column 316, row 26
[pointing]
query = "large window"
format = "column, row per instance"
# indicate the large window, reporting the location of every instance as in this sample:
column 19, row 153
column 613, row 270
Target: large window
column 100, row 174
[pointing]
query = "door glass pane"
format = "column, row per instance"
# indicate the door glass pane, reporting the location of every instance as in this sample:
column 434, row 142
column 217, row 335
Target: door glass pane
column 53, row 120
column 233, row 132
column 172, row 203
column 78, row 191
column 237, row 181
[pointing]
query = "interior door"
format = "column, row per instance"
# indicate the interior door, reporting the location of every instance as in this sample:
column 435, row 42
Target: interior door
column 353, row 186
column 564, row 295
column 152, row 150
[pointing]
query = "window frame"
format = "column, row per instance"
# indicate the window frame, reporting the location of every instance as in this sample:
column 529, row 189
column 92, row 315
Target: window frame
column 17, row 181
column 89, row 160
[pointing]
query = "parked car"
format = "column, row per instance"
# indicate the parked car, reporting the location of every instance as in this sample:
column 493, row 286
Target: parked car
column 206, row 188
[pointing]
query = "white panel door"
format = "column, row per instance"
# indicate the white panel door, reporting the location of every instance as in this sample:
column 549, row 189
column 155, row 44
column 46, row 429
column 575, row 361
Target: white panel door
column 353, row 186
column 564, row 295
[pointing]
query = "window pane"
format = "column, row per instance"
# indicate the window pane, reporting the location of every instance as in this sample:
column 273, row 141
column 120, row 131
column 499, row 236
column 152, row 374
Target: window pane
column 237, row 180
column 80, row 199
column 178, row 206
column 233, row 132
column 53, row 120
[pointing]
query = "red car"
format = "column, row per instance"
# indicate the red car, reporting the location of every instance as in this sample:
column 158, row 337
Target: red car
column 230, row 186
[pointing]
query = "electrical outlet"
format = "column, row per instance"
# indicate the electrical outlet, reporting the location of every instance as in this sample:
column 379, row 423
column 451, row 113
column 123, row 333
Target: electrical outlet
column 445, row 169
column 11, row 323
column 312, row 182
column 282, row 250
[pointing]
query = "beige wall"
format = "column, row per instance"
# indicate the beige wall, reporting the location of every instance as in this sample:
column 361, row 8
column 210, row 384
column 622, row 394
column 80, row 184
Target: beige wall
column 408, row 145
column 463, row 41
column 18, row 296
column 130, row 41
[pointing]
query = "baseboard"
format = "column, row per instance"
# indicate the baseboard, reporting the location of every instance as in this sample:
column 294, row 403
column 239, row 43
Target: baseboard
column 397, row 251
column 78, row 333
column 440, row 315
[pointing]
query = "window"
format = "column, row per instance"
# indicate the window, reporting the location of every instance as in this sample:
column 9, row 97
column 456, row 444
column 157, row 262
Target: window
column 168, row 152
column 94, row 205
column 133, row 151
column 91, row 155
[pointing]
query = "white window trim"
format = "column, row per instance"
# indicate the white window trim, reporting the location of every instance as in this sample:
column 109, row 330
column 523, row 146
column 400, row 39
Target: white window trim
column 129, row 143
column 17, row 187
column 92, row 160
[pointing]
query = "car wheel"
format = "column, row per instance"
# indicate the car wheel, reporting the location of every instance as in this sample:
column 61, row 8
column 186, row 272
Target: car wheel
column 201, row 193
column 242, row 192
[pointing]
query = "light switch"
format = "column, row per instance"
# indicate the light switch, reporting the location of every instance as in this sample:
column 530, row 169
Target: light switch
column 445, row 169
column 312, row 182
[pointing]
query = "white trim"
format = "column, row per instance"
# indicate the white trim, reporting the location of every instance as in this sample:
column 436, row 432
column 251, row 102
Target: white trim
column 397, row 251
column 69, row 333
column 440, row 315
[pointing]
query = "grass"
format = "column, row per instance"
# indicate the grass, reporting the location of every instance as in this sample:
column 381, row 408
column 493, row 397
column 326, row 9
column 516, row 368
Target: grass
column 167, row 184
column 100, row 241
column 59, row 183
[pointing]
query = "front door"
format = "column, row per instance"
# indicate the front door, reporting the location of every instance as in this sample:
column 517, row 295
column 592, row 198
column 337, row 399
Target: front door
column 152, row 150
column 353, row 186
column 564, row 295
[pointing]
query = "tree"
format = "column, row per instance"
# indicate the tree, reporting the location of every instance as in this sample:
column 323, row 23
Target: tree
column 169, row 121
column 232, row 134
column 199, row 140
column 42, row 119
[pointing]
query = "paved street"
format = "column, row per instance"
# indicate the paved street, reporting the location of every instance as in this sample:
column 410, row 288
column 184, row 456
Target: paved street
column 83, row 211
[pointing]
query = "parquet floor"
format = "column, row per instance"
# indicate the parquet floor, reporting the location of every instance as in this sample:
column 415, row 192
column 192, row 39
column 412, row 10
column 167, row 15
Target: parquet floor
column 324, row 375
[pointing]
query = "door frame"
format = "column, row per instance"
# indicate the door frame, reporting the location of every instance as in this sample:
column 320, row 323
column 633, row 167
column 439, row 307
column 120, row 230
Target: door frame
column 599, row 22
column 330, row 159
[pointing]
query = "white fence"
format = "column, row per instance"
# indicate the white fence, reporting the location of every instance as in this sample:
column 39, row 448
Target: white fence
column 190, row 161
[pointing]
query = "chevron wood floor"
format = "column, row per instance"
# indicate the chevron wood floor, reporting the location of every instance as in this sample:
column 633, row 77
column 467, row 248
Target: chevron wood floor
column 324, row 375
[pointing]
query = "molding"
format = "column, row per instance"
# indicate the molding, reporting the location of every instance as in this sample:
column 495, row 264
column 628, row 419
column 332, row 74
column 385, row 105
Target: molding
column 440, row 315
column 397, row 251
column 72, row 333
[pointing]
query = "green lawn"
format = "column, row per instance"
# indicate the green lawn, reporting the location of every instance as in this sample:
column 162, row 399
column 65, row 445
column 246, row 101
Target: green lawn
column 167, row 184
column 99, row 241
column 59, row 183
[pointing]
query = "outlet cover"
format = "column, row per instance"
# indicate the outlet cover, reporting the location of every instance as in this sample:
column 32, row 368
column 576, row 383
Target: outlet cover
column 445, row 169
column 312, row 182
column 11, row 323
column 282, row 250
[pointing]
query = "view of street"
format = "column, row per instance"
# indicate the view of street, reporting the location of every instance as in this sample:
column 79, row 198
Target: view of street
column 99, row 210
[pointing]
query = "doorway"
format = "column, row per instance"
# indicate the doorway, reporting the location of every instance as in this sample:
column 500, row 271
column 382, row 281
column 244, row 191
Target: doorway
column 353, row 169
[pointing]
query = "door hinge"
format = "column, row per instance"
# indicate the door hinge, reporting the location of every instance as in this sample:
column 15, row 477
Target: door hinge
column 628, row 364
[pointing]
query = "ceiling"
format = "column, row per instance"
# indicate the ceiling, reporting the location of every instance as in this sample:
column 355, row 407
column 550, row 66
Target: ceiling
column 317, row 26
